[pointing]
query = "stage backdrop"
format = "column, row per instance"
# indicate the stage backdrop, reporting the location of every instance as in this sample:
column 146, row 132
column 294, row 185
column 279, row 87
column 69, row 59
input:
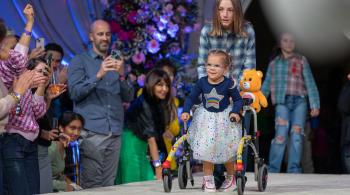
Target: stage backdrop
column 66, row 22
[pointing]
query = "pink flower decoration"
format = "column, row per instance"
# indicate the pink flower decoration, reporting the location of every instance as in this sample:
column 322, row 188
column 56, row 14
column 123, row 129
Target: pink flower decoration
column 153, row 46
column 131, row 35
column 115, row 27
column 123, row 35
column 182, row 10
column 132, row 17
column 150, row 29
column 138, row 58
column 118, row 8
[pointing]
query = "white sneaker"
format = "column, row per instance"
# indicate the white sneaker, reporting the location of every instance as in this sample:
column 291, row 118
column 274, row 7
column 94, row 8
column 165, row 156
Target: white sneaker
column 229, row 184
column 208, row 184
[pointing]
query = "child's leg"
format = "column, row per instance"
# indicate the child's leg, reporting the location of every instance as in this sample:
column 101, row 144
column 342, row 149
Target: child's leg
column 208, row 179
column 208, row 168
column 230, row 167
column 229, row 183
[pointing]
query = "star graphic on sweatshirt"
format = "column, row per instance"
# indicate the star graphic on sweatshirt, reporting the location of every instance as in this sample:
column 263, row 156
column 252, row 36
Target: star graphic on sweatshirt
column 213, row 99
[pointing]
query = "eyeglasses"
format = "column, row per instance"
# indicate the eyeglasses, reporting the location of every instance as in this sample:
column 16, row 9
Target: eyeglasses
column 216, row 66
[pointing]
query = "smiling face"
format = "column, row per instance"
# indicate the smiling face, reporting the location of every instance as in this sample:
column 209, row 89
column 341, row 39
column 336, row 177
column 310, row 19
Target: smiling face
column 216, row 67
column 100, row 36
column 72, row 129
column 161, row 90
column 226, row 11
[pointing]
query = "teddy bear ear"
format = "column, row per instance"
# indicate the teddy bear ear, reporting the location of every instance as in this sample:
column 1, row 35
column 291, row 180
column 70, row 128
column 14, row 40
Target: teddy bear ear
column 260, row 74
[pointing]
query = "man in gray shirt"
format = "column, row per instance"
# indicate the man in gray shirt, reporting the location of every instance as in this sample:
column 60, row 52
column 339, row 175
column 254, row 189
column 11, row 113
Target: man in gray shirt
column 97, row 87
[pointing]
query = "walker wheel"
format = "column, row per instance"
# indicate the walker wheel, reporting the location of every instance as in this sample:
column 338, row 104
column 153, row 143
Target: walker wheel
column 167, row 181
column 240, row 185
column 182, row 175
column 262, row 178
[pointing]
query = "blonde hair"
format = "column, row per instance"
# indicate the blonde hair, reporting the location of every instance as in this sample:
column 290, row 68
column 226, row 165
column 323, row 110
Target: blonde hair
column 227, row 60
column 237, row 26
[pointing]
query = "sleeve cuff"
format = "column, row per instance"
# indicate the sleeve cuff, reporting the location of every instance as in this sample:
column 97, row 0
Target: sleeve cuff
column 38, row 98
column 22, row 49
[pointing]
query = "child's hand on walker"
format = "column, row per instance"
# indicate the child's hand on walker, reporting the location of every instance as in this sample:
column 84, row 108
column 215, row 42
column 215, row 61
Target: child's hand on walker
column 185, row 116
column 234, row 117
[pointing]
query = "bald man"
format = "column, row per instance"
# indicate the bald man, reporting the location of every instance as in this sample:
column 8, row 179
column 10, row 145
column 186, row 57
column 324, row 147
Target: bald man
column 97, row 87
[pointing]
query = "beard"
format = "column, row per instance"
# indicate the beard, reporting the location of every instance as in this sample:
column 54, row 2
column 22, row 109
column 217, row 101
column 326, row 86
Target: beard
column 102, row 46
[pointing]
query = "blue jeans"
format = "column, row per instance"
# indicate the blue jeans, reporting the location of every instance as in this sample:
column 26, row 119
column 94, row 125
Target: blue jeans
column 288, row 115
column 21, row 168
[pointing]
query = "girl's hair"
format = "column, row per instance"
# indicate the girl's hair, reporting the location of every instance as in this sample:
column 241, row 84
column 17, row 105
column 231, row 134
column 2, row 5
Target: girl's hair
column 227, row 59
column 165, row 108
column 237, row 23
column 68, row 116
column 32, row 63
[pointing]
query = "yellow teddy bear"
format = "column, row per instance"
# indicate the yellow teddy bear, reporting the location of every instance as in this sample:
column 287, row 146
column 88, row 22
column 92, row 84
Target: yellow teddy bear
column 250, row 85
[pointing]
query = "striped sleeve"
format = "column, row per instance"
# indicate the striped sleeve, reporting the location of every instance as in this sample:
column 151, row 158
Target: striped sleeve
column 39, row 106
column 12, row 67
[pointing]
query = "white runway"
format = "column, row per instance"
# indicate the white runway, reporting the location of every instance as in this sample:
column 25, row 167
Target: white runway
column 285, row 184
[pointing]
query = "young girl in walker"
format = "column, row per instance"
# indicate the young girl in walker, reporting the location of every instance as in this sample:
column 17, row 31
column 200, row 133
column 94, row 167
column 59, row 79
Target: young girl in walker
column 213, row 137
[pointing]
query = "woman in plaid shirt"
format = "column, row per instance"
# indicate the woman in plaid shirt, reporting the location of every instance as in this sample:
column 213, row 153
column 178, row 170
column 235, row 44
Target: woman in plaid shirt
column 291, row 83
column 231, row 33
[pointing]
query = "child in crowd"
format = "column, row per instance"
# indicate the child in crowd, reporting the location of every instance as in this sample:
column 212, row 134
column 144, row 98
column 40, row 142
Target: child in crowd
column 212, row 136
column 70, row 125
column 290, row 81
column 146, row 121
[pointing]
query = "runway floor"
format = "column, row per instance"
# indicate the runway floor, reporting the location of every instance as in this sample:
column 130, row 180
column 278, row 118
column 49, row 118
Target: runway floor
column 285, row 184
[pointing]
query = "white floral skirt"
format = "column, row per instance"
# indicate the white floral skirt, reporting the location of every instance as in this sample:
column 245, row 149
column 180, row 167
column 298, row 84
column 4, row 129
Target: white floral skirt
column 213, row 137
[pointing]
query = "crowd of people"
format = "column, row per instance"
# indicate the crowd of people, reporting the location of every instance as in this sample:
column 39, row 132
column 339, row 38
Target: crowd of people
column 92, row 125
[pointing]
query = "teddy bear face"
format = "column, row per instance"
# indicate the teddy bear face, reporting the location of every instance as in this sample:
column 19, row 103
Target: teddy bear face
column 251, row 80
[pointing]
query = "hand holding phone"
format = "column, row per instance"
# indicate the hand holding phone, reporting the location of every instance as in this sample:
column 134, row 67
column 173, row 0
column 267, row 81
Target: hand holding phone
column 40, row 42
column 116, row 54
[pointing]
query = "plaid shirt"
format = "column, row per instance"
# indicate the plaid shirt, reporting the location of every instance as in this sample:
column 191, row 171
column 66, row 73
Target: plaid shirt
column 241, row 49
column 295, row 80
column 276, row 81
column 32, row 106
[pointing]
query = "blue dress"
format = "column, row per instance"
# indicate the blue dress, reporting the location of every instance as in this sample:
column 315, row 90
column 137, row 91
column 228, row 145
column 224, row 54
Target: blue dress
column 212, row 136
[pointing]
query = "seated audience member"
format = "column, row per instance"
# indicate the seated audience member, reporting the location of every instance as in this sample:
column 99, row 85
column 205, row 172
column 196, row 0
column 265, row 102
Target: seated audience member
column 61, row 153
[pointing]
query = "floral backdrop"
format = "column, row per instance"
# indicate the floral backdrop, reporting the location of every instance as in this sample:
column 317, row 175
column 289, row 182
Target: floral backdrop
column 147, row 30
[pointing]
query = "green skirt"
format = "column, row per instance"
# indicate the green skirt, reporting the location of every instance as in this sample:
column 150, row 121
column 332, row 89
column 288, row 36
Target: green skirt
column 134, row 165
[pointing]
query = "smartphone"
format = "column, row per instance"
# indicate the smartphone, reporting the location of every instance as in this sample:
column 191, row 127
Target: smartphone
column 40, row 42
column 116, row 54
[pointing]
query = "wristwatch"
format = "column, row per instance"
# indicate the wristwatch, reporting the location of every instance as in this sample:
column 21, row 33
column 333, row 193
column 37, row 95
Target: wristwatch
column 156, row 163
